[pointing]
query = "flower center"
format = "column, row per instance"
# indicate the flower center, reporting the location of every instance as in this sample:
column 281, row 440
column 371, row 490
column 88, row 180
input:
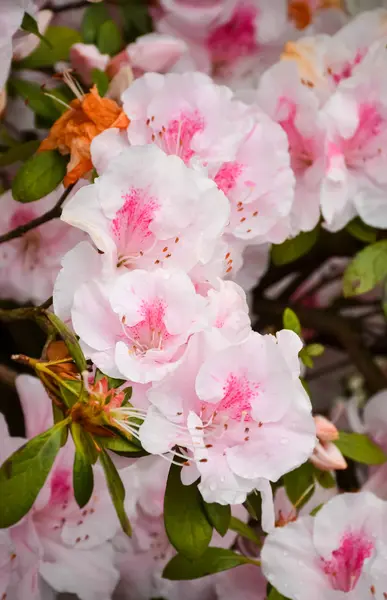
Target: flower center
column 236, row 38
column 150, row 333
column 301, row 149
column 176, row 138
column 60, row 486
column 363, row 145
column 131, row 226
column 346, row 563
column 236, row 401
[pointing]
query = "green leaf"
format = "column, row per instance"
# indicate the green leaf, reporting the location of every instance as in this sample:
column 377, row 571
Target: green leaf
column 213, row 560
column 315, row 349
column 71, row 391
column 20, row 152
column 275, row 595
column 291, row 321
column 116, row 490
column 93, row 17
column 219, row 516
column 83, row 479
column 35, row 98
column 306, row 359
column 121, row 445
column 244, row 530
column 291, row 250
column 366, row 270
column 30, row 25
column 360, row 448
column 39, row 176
column 112, row 381
column 109, row 39
column 297, row 482
column 384, row 300
column 136, row 20
column 324, row 478
column 185, row 521
column 361, row 231
column 70, row 340
column 316, row 509
column 253, row 505
column 84, row 444
column 24, row 473
column 101, row 80
column 61, row 40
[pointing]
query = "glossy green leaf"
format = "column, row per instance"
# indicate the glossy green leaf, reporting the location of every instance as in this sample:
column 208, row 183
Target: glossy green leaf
column 69, row 339
column 24, row 473
column 360, row 448
column 244, row 530
column 83, row 442
column 275, row 595
column 109, row 40
column 30, row 25
column 219, row 516
column 61, row 39
column 83, row 479
column 291, row 321
column 38, row 176
column 297, row 483
column 121, row 445
column 362, row 231
column 213, row 560
column 185, row 521
column 101, row 80
column 94, row 16
column 136, row 20
column 292, row 249
column 72, row 391
column 116, row 490
column 306, row 359
column 19, row 152
column 367, row 269
column 315, row 349
column 324, row 478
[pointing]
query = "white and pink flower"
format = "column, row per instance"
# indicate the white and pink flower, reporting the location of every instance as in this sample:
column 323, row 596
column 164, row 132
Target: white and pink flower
column 340, row 553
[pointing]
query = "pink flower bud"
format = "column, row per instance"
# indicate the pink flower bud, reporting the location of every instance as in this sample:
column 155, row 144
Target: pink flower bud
column 325, row 430
column 86, row 57
column 155, row 52
column 328, row 457
column 115, row 64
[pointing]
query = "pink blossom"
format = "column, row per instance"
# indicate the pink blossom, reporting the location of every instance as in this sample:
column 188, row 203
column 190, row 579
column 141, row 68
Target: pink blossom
column 356, row 121
column 137, row 326
column 326, row 455
column 86, row 57
column 339, row 553
column 30, row 263
column 58, row 543
column 155, row 52
column 187, row 115
column 296, row 109
column 11, row 18
column 148, row 210
column 229, row 38
column 24, row 45
column 219, row 405
column 245, row 583
column 286, row 512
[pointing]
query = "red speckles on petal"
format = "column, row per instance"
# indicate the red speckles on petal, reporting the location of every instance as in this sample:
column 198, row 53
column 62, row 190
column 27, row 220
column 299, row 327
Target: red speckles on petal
column 238, row 393
column 131, row 225
column 346, row 563
column 227, row 176
column 236, row 38
column 177, row 137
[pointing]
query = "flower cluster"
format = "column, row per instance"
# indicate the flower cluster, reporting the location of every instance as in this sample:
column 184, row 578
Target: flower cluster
column 176, row 159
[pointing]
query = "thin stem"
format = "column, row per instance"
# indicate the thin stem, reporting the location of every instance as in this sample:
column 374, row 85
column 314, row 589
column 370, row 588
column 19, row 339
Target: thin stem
column 53, row 213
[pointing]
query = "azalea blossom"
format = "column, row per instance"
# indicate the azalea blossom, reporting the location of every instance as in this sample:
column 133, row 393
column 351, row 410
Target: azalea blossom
column 137, row 326
column 58, row 543
column 339, row 553
column 148, row 210
column 227, row 405
column 30, row 263
column 296, row 108
column 326, row 455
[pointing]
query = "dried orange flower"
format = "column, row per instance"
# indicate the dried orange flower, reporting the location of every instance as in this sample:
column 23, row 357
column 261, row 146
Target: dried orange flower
column 88, row 115
column 301, row 11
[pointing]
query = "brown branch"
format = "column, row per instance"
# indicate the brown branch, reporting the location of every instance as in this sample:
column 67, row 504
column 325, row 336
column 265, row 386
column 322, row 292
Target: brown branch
column 339, row 327
column 53, row 213
column 8, row 375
